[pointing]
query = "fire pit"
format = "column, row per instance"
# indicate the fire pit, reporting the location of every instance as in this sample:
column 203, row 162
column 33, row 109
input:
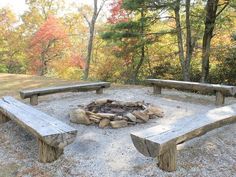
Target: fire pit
column 117, row 114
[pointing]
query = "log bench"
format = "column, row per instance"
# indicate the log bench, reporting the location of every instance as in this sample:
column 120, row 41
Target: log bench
column 160, row 141
column 220, row 90
column 52, row 134
column 34, row 94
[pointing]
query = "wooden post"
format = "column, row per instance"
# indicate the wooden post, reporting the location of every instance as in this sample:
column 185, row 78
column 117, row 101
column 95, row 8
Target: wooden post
column 220, row 98
column 99, row 91
column 156, row 89
column 34, row 100
column 48, row 153
column 167, row 160
column 3, row 118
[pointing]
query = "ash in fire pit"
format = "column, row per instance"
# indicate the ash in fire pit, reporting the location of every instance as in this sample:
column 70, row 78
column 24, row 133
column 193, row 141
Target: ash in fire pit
column 117, row 114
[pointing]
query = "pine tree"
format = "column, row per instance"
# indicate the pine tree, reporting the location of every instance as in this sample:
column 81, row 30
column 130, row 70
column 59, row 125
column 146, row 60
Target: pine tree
column 130, row 34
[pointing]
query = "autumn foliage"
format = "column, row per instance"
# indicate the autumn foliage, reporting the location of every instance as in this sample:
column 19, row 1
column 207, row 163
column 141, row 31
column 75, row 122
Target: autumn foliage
column 49, row 43
column 117, row 13
column 139, row 35
column 52, row 29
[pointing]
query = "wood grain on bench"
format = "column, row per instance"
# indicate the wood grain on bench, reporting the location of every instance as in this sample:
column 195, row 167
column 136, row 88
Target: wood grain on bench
column 33, row 94
column 220, row 90
column 160, row 141
column 52, row 134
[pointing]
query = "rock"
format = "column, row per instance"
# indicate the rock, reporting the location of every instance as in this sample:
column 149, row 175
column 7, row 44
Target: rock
column 131, row 117
column 153, row 110
column 79, row 116
column 101, row 101
column 141, row 115
column 104, row 123
column 119, row 123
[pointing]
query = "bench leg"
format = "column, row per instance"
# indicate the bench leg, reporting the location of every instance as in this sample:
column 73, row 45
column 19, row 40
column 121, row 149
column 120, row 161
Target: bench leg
column 220, row 98
column 48, row 153
column 34, row 100
column 167, row 160
column 3, row 118
column 99, row 91
column 156, row 89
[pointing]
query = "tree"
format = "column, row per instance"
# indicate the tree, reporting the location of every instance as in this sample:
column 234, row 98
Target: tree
column 11, row 43
column 210, row 21
column 129, row 35
column 49, row 43
column 118, row 14
column 91, row 24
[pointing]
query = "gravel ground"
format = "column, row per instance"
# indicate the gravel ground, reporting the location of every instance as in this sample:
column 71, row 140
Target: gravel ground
column 110, row 152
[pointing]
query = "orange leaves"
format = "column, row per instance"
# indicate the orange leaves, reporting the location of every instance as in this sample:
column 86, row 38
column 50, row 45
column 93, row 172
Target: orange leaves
column 52, row 29
column 49, row 43
column 51, row 37
column 77, row 61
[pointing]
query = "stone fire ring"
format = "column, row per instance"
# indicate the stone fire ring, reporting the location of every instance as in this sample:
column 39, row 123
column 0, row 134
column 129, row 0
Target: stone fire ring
column 116, row 114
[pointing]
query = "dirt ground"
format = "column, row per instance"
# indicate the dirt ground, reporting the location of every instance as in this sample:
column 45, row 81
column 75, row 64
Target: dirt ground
column 109, row 152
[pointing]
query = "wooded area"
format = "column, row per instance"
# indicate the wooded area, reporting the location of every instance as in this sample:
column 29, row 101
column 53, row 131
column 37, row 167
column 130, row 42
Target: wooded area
column 123, row 41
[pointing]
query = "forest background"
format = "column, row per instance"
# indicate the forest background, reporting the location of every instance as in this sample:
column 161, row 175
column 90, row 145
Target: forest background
column 124, row 41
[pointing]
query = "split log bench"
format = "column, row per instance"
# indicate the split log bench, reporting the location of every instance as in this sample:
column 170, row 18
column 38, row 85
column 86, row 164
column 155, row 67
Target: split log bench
column 34, row 94
column 220, row 90
column 160, row 141
column 52, row 134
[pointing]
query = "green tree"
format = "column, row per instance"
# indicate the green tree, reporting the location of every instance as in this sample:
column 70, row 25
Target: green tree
column 133, row 36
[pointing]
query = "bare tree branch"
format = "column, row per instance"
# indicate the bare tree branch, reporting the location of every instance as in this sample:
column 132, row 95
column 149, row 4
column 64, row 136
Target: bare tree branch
column 223, row 8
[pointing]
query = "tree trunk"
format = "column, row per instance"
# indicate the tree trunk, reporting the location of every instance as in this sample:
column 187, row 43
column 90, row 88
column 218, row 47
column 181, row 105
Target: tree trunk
column 180, row 39
column 43, row 69
column 142, row 57
column 211, row 10
column 185, row 59
column 90, row 40
column 89, row 52
column 189, row 46
column 136, row 72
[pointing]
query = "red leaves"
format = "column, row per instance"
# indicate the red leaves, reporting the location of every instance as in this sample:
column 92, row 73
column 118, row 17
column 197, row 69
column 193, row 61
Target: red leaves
column 117, row 13
column 52, row 29
column 77, row 61
column 50, row 42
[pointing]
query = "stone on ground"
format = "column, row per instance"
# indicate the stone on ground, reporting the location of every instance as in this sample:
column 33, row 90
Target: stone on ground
column 119, row 123
column 104, row 123
column 79, row 116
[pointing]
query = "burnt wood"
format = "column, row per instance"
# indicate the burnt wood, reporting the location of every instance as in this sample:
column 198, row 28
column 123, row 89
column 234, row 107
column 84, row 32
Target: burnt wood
column 34, row 94
column 52, row 134
column 160, row 141
column 220, row 90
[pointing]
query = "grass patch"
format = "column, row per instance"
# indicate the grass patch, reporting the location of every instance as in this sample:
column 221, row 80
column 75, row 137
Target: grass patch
column 11, row 84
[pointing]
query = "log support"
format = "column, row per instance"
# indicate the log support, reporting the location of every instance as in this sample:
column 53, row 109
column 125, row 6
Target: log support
column 167, row 160
column 3, row 118
column 156, row 89
column 48, row 153
column 99, row 91
column 220, row 98
column 34, row 100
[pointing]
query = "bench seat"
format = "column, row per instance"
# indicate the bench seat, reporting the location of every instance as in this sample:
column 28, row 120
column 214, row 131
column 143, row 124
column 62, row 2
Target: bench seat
column 160, row 141
column 52, row 134
column 33, row 94
column 220, row 90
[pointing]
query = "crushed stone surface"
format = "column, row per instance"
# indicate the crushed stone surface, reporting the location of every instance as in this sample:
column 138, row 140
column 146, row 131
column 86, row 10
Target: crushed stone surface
column 110, row 152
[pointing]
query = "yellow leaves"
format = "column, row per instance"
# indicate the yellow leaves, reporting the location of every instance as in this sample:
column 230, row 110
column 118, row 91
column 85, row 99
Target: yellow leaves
column 64, row 70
